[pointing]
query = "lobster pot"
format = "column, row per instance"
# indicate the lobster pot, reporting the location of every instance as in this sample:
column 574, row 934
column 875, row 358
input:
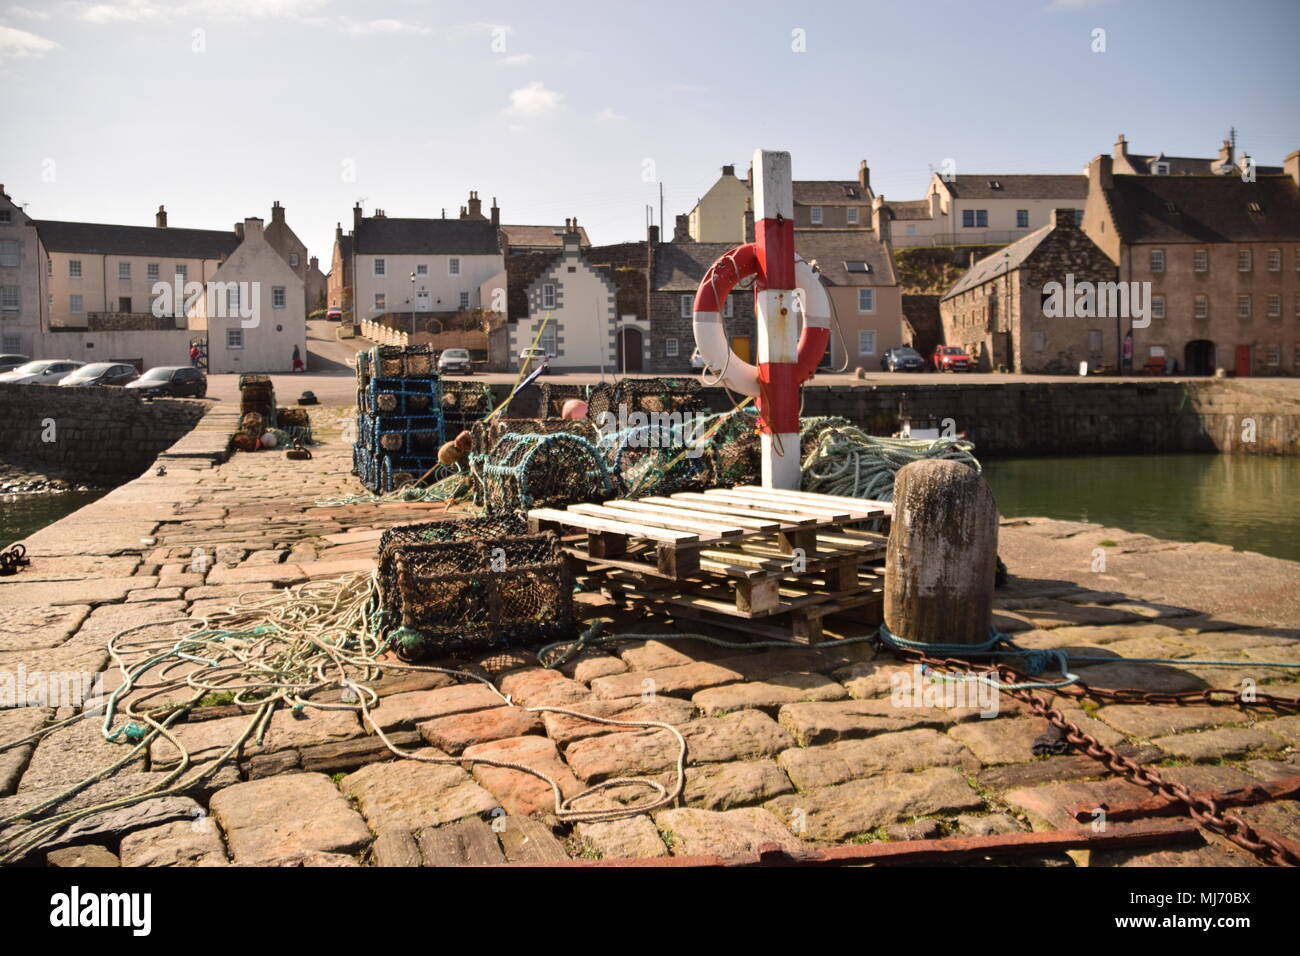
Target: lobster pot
column 656, row 460
column 648, row 395
column 484, row 435
column 398, row 471
column 555, row 394
column 463, row 404
column 400, row 397
column 402, row 361
column 414, row 436
column 735, row 452
column 476, row 595
column 257, row 396
column 525, row 471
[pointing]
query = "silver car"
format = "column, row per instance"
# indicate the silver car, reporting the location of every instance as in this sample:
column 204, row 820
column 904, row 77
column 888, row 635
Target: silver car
column 41, row 372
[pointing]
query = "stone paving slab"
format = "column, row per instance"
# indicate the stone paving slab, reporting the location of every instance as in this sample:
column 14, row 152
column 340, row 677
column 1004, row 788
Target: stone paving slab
column 904, row 750
column 278, row 817
column 410, row 794
column 725, row 833
column 24, row 627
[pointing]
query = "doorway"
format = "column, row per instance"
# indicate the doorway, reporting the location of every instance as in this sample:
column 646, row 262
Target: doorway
column 1242, row 367
column 629, row 349
column 740, row 345
column 1198, row 357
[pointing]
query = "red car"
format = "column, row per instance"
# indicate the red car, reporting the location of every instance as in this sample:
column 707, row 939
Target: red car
column 951, row 358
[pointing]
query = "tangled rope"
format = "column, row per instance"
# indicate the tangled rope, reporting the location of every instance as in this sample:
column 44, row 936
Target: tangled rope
column 846, row 461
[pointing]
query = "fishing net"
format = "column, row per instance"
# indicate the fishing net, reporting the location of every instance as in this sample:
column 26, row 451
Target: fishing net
column 485, row 434
column 531, row 470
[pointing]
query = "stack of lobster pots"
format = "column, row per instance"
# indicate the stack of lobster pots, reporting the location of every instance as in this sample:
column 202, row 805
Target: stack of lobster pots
column 257, row 411
column 399, row 416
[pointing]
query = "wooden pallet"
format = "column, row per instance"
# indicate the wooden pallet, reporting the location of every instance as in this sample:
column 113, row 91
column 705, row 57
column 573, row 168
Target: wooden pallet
column 762, row 561
column 680, row 527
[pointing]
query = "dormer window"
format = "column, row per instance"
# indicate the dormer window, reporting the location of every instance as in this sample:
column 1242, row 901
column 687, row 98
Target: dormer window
column 994, row 184
column 1161, row 169
column 857, row 265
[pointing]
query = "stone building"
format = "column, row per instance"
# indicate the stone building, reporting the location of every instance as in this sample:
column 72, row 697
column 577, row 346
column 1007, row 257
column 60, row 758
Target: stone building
column 286, row 242
column 588, row 315
column 1227, row 163
column 1002, row 311
column 1220, row 255
column 339, row 282
column 984, row 208
column 317, row 285
column 22, row 275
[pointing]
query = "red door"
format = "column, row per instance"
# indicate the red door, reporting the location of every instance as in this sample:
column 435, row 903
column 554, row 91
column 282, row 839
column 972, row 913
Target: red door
column 1243, row 360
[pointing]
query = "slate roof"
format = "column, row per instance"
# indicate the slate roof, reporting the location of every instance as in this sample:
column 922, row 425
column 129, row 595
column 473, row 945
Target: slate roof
column 541, row 236
column 832, row 248
column 1018, row 186
column 679, row 266
column 833, row 192
column 380, row 235
column 1004, row 260
column 94, row 238
column 1189, row 166
column 1205, row 209
column 910, row 209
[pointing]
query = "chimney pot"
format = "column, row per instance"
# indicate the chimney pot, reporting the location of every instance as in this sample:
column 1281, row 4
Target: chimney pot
column 161, row 218
column 277, row 212
column 652, row 235
column 729, row 170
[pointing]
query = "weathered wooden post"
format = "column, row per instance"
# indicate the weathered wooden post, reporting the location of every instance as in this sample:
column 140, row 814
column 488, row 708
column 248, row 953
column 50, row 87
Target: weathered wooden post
column 942, row 555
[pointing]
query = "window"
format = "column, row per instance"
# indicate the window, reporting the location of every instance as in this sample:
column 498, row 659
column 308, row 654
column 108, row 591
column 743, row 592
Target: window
column 851, row 215
column 381, row 300
column 815, row 215
column 856, row 265
column 1157, row 260
column 124, row 270
column 74, row 268
column 1243, row 260
column 9, row 301
column 1022, row 218
column 687, row 305
column 867, row 342
column 670, row 348
column 278, row 296
column 10, row 252
column 1275, row 260
column 11, row 342
column 1078, row 217
column 381, row 267
column 183, row 273
column 866, row 301
column 911, row 230
column 1272, row 355
column 74, row 303
column 422, row 269
column 6, row 217
column 464, row 300
column 730, row 307
column 232, row 299
column 548, row 296
column 234, row 338
column 293, row 259
column 49, row 266
column 1157, row 307
column 124, row 303
column 453, row 266
column 151, row 270
column 548, row 340
column 1243, row 307
column 1162, row 169
column 1275, row 306
column 1201, row 261
column 1202, row 307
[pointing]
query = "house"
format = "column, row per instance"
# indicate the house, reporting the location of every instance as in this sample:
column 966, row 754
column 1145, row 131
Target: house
column 985, row 208
column 286, row 242
column 316, row 286
column 1225, row 164
column 255, row 312
column 538, row 238
column 339, row 282
column 1002, row 313
column 22, row 277
column 719, row 215
column 857, row 270
column 412, row 271
column 101, row 275
column 1220, row 258
column 587, row 315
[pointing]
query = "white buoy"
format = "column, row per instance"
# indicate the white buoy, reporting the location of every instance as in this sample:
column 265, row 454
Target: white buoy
column 269, row 440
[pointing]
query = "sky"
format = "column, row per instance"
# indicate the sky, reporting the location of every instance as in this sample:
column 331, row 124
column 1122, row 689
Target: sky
column 216, row 108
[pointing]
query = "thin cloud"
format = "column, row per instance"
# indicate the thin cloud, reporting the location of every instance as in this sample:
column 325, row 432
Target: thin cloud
column 534, row 100
column 28, row 14
column 517, row 59
column 18, row 44
column 608, row 115
column 305, row 12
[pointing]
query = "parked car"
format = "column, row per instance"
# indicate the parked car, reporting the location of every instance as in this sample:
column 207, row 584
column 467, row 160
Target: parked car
column 172, row 381
column 951, row 358
column 102, row 373
column 454, row 360
column 334, row 314
column 902, row 359
column 532, row 357
column 10, row 362
column 41, row 372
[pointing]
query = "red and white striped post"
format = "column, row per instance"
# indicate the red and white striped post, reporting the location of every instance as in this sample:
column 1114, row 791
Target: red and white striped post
column 778, row 326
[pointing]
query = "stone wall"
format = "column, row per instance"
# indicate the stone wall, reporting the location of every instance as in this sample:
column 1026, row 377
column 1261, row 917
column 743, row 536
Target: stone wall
column 100, row 434
column 1064, row 418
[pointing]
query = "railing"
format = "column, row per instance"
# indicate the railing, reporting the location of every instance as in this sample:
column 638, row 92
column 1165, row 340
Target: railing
column 962, row 237
column 382, row 334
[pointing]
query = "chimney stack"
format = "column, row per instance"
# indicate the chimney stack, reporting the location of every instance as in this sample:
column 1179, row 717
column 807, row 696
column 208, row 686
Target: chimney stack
column 1225, row 152
column 475, row 208
column 729, row 170
column 314, row 262
column 338, row 232
column 356, row 216
column 864, row 175
column 682, row 231
column 880, row 217
column 496, row 214
column 572, row 239
column 749, row 220
column 1063, row 219
column 1291, row 165
column 1100, row 172
column 239, row 231
column 1121, row 147
column 252, row 227
column 161, row 218
column 652, row 236
column 277, row 212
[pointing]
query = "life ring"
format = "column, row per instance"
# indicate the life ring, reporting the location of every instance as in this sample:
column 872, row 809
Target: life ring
column 710, row 333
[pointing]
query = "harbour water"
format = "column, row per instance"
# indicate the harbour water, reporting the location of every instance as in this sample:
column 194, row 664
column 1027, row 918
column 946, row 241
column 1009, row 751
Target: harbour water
column 20, row 515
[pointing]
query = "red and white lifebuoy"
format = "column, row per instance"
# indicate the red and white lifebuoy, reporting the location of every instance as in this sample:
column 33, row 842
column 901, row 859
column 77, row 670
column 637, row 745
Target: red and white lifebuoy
column 710, row 333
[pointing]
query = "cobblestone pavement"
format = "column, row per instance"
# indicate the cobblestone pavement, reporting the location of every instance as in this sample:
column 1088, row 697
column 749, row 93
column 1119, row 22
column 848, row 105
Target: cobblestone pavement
column 800, row 747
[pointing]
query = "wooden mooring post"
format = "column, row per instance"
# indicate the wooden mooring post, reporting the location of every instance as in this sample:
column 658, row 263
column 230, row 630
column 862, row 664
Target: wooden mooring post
column 942, row 554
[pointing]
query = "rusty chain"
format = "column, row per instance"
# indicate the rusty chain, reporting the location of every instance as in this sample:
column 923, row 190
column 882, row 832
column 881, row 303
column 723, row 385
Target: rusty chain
column 1268, row 846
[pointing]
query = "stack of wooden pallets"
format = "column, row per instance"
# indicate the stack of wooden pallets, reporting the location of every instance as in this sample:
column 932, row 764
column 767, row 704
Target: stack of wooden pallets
column 761, row 560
